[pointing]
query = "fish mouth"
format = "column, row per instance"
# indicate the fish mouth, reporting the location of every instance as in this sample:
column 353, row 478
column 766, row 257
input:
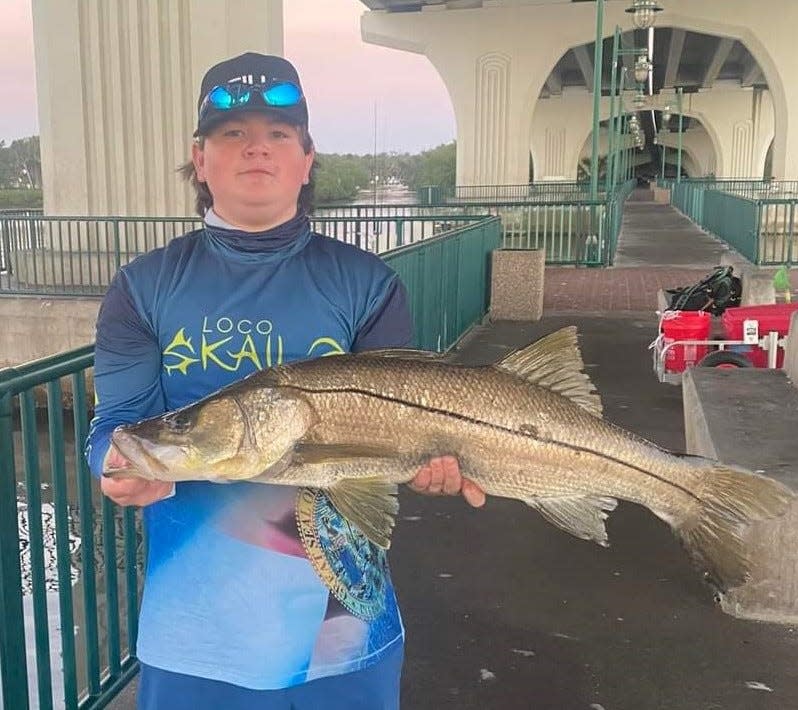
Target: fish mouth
column 136, row 451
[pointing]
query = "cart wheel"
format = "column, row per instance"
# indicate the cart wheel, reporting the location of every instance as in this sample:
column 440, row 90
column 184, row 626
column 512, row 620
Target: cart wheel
column 725, row 359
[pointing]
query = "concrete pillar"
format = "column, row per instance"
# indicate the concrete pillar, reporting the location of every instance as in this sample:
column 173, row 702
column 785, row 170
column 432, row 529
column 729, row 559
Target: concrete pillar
column 560, row 126
column 697, row 149
column 516, row 291
column 740, row 123
column 117, row 84
column 519, row 44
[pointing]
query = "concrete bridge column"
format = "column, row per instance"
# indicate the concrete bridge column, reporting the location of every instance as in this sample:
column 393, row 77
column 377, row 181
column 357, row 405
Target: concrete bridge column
column 494, row 61
column 117, row 85
column 697, row 149
column 528, row 40
column 770, row 37
column 741, row 122
column 560, row 126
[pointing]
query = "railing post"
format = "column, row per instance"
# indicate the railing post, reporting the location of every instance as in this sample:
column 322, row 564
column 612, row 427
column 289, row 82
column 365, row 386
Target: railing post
column 598, row 56
column 609, row 167
column 13, row 664
column 117, row 251
column 681, row 126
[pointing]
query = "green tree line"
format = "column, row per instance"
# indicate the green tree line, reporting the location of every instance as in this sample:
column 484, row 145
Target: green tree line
column 339, row 177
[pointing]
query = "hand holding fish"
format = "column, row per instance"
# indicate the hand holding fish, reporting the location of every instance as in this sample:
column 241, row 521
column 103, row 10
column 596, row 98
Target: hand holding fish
column 441, row 476
column 131, row 491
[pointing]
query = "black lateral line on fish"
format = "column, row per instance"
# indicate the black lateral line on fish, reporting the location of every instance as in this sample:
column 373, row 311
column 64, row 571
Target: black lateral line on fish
column 472, row 420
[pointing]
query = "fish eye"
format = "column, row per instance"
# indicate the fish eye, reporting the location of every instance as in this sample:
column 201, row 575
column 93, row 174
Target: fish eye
column 177, row 423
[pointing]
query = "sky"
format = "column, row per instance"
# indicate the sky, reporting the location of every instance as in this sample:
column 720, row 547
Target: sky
column 345, row 80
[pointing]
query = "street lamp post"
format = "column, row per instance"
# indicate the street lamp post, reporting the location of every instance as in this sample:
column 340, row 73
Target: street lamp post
column 681, row 126
column 644, row 13
column 598, row 59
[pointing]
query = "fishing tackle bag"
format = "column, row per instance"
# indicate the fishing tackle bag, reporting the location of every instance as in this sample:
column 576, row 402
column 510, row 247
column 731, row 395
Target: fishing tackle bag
column 714, row 293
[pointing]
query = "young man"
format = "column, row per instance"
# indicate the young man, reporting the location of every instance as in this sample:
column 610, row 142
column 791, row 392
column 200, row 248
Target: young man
column 235, row 613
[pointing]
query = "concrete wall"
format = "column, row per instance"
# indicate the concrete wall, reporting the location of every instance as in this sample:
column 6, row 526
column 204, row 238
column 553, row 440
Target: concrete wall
column 37, row 327
column 740, row 124
column 697, row 146
column 117, row 86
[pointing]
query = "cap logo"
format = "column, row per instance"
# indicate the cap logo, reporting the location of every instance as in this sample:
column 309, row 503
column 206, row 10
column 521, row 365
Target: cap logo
column 247, row 79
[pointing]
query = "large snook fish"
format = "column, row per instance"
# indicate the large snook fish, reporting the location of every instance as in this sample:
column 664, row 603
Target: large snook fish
column 528, row 427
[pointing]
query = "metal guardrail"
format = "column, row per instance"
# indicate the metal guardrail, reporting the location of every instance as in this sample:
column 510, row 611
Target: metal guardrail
column 78, row 256
column 758, row 218
column 448, row 281
column 65, row 545
column 570, row 231
column 70, row 560
column 527, row 192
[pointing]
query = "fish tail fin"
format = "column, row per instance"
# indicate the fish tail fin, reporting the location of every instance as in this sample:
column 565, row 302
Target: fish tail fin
column 730, row 499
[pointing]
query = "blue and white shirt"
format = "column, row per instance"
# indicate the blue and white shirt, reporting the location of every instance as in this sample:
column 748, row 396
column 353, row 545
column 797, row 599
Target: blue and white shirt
column 230, row 593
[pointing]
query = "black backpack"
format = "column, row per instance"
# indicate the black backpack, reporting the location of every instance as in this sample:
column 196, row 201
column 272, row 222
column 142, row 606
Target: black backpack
column 714, row 293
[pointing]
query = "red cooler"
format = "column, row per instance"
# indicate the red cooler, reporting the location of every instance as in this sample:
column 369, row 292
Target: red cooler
column 775, row 316
column 684, row 325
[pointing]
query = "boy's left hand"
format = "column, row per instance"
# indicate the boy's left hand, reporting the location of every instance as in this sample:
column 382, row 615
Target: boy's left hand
column 441, row 476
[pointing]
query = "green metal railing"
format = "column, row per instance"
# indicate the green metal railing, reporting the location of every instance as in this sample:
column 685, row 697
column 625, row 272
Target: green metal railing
column 78, row 256
column 553, row 191
column 64, row 544
column 70, row 560
column 572, row 231
column 448, row 281
column 758, row 218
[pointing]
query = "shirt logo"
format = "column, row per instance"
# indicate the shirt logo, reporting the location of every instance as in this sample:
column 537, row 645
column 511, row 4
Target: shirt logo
column 233, row 345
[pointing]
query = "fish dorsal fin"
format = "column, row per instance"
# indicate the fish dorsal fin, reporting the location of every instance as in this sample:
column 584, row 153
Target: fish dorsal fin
column 368, row 503
column 554, row 362
column 582, row 516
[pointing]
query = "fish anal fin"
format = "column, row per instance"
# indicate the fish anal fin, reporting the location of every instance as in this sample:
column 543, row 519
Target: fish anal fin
column 310, row 453
column 368, row 503
column 555, row 363
column 582, row 516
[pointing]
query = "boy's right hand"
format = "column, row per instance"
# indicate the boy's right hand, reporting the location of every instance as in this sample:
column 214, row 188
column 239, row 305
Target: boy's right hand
column 131, row 491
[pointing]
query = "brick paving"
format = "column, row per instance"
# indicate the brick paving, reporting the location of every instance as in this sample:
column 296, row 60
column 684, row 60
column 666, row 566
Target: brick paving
column 658, row 249
column 612, row 289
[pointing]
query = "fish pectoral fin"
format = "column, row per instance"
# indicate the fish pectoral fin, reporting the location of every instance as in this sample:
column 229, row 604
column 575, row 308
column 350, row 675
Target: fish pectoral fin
column 582, row 516
column 309, row 453
column 554, row 362
column 368, row 503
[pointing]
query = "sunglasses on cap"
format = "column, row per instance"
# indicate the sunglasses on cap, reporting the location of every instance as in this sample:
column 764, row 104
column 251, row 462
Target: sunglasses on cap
column 276, row 93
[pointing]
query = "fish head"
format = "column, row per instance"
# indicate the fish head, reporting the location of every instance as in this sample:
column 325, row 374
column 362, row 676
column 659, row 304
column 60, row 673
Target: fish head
column 232, row 435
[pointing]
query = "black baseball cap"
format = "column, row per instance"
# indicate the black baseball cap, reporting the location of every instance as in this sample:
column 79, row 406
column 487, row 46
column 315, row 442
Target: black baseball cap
column 251, row 68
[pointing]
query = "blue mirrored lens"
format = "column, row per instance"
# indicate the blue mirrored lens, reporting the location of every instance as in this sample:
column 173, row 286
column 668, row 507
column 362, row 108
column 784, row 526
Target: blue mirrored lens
column 220, row 98
column 223, row 98
column 282, row 95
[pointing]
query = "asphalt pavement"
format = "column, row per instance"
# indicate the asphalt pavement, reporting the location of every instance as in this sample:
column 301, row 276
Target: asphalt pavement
column 503, row 610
